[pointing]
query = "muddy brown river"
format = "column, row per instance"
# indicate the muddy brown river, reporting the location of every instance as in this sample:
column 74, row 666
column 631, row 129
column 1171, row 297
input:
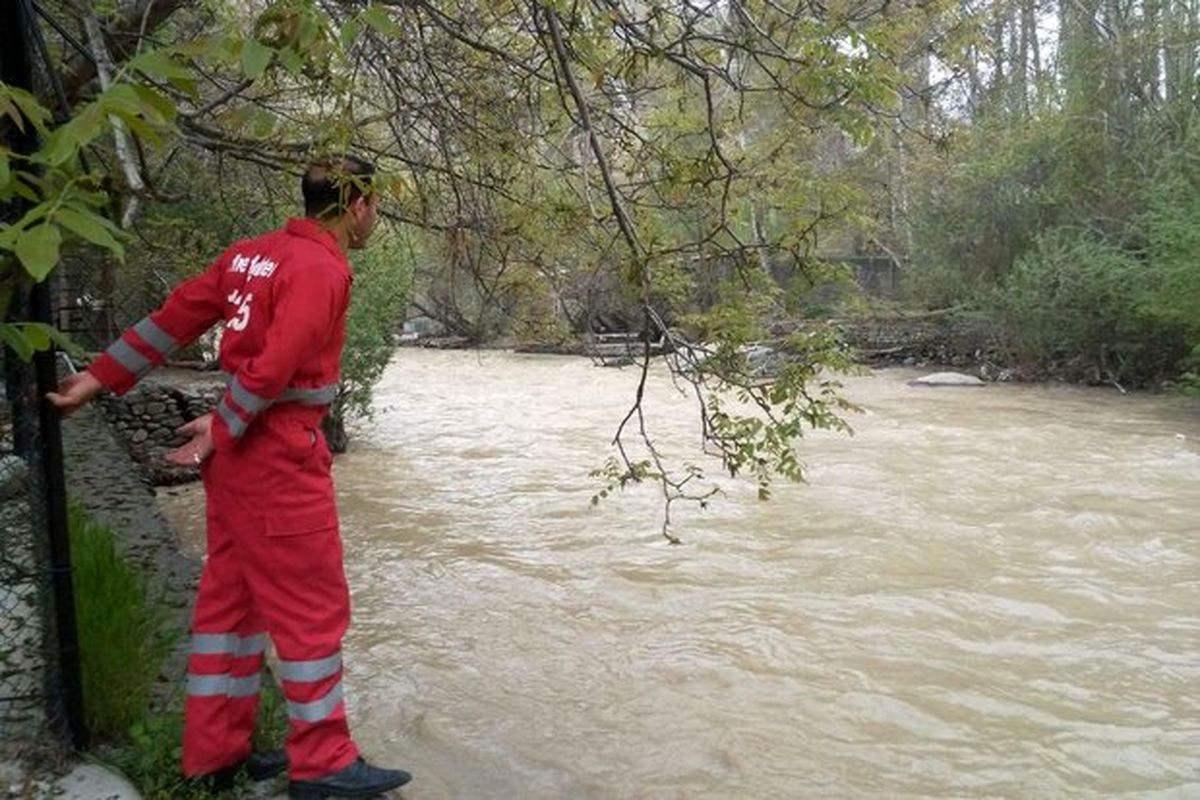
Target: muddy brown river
column 984, row 593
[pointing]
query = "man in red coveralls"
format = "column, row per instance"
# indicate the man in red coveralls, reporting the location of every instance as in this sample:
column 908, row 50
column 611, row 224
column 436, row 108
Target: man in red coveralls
column 274, row 563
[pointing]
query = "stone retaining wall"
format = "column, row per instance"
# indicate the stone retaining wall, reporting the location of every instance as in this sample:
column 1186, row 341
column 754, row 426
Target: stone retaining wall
column 147, row 417
column 102, row 476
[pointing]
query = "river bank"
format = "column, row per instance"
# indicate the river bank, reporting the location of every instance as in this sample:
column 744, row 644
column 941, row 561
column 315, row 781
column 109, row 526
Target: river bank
column 936, row 340
column 147, row 417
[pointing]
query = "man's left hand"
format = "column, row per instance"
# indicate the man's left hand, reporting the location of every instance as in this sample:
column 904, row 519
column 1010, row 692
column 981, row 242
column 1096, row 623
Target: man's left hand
column 199, row 448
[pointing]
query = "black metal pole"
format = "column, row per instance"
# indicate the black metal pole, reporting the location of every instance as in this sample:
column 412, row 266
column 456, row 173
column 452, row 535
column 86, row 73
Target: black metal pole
column 18, row 71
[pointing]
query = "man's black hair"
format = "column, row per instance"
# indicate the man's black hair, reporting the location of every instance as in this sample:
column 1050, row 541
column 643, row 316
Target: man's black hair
column 330, row 186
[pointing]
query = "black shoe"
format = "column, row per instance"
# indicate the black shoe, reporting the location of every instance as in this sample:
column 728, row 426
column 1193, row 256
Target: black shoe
column 360, row 779
column 257, row 766
column 265, row 765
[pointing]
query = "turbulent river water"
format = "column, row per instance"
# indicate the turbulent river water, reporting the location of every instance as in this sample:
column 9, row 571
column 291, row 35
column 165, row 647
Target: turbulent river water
column 983, row 593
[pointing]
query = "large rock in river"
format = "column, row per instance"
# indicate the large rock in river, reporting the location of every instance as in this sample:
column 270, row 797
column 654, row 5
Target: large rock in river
column 947, row 379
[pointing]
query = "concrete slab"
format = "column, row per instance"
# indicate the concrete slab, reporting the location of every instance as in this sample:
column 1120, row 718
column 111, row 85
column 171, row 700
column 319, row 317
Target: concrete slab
column 93, row 782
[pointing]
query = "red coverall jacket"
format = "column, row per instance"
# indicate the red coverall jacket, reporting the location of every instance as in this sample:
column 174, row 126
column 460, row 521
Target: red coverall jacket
column 285, row 322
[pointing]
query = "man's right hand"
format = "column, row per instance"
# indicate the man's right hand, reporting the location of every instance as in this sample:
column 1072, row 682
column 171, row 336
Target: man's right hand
column 74, row 392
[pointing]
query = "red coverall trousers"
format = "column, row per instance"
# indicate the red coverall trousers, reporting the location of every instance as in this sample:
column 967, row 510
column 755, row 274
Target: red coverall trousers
column 274, row 565
column 271, row 570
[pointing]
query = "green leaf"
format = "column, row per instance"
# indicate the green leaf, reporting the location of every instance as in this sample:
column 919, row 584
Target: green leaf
column 291, row 60
column 90, row 226
column 255, row 58
column 39, row 336
column 59, row 146
column 65, row 141
column 21, row 189
column 349, row 33
column 38, row 249
column 122, row 100
column 29, row 106
column 204, row 47
column 261, row 123
column 160, row 64
column 310, row 29
column 138, row 126
column 379, row 19
column 160, row 104
column 36, row 334
column 12, row 336
column 64, row 341
column 10, row 110
column 5, row 173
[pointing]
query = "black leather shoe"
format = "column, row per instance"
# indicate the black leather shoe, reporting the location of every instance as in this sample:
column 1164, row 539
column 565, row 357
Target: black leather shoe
column 266, row 764
column 360, row 779
column 258, row 766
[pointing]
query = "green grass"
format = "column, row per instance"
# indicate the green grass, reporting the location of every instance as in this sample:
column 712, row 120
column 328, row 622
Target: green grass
column 151, row 755
column 271, row 728
column 124, row 631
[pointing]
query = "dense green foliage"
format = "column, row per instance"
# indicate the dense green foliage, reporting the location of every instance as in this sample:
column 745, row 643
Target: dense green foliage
column 1065, row 202
column 382, row 280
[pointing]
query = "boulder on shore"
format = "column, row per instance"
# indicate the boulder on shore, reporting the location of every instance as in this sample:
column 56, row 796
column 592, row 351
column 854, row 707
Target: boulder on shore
column 946, row 379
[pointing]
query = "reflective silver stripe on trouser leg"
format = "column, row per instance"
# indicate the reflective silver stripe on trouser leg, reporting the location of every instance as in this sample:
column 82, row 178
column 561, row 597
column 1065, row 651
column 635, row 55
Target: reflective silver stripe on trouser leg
column 223, row 684
column 208, row 644
column 317, row 710
column 164, row 343
column 312, row 671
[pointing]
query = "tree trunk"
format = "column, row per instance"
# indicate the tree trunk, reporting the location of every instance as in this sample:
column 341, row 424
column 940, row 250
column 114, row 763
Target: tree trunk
column 1031, row 28
column 1023, row 30
column 334, row 428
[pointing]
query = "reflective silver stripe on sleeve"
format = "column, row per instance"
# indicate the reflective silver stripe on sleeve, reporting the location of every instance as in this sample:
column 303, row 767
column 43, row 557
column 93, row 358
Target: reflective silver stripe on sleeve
column 129, row 358
column 156, row 337
column 236, row 425
column 210, row 644
column 317, row 710
column 223, row 684
column 316, row 396
column 245, row 398
column 310, row 671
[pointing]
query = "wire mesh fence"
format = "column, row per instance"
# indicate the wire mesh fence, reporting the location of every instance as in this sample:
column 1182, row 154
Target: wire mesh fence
column 40, row 691
column 38, row 676
column 37, row 679
column 24, row 564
